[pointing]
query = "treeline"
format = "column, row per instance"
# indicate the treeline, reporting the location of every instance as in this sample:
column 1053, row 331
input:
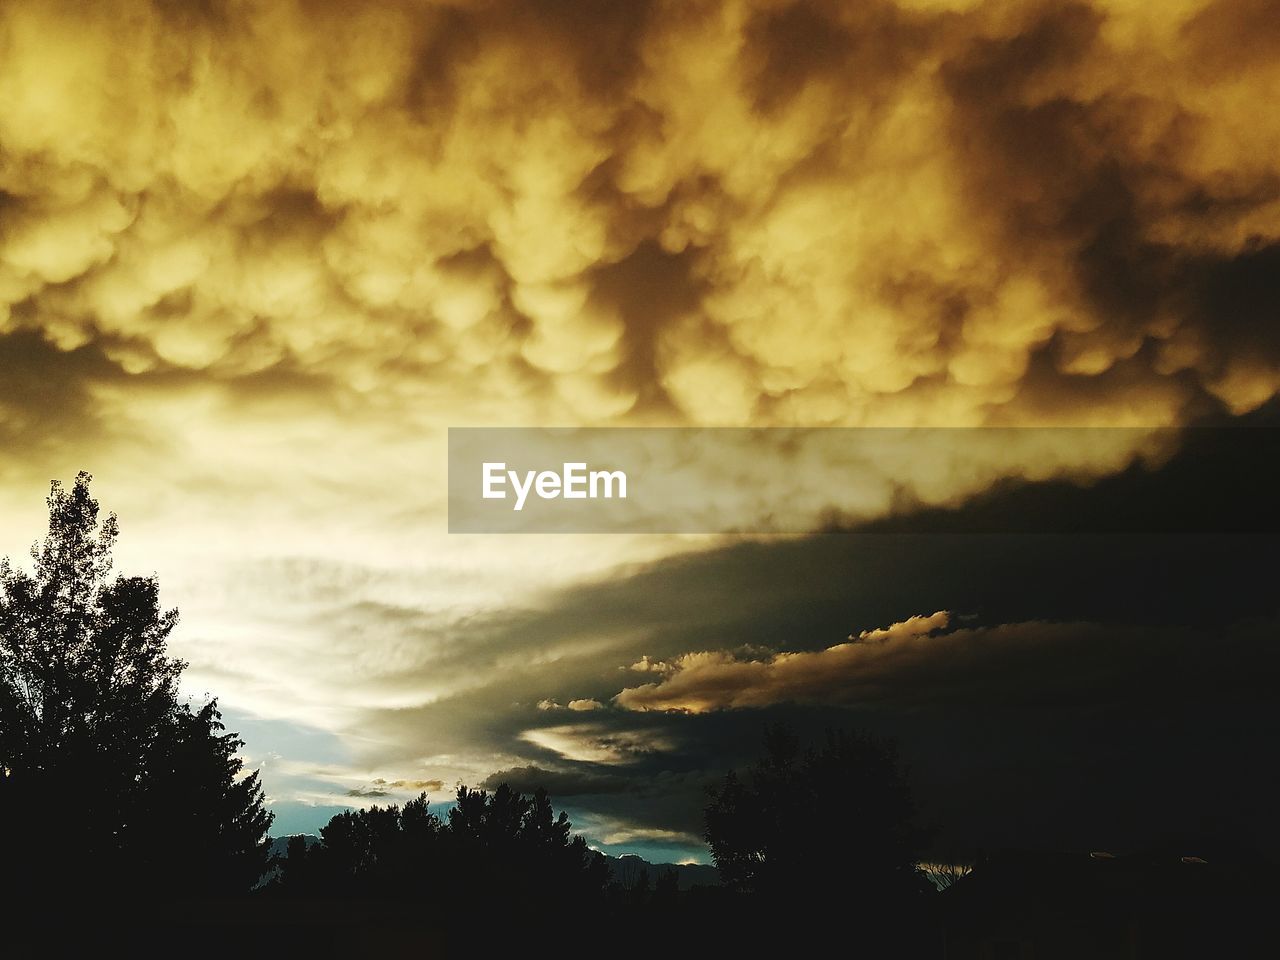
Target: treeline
column 833, row 821
column 511, row 847
column 807, row 842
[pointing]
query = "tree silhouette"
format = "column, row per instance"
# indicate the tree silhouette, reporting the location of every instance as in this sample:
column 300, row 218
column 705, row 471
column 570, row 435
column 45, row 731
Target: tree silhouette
column 110, row 782
column 501, row 848
column 835, row 822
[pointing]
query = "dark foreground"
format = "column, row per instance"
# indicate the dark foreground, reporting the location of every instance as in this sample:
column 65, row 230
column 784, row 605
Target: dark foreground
column 1013, row 907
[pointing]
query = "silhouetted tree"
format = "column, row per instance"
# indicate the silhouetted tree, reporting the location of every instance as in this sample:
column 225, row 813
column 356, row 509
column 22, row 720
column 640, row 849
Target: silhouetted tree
column 500, row 848
column 109, row 780
column 945, row 874
column 667, row 888
column 837, row 821
column 638, row 890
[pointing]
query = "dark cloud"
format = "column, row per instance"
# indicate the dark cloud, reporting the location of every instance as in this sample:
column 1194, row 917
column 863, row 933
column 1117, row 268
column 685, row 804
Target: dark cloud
column 429, row 786
column 1016, row 666
column 1106, row 642
column 367, row 793
column 558, row 783
column 1105, row 178
column 1218, row 481
column 45, row 400
column 403, row 188
column 381, row 787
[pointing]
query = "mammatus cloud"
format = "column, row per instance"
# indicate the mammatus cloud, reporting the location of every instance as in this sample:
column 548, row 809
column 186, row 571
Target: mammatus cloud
column 717, row 680
column 736, row 212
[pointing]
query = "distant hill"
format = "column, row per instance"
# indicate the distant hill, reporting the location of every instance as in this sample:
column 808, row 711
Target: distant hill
column 624, row 869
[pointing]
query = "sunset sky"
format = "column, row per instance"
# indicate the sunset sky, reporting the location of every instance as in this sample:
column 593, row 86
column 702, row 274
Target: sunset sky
column 257, row 258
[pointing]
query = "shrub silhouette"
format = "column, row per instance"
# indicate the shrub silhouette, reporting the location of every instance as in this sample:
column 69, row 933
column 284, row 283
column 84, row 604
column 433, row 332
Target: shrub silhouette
column 110, row 782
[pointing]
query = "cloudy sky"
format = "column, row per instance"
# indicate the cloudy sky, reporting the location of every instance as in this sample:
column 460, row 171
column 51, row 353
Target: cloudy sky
column 256, row 258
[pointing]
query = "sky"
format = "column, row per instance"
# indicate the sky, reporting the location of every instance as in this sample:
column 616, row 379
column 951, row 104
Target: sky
column 257, row 258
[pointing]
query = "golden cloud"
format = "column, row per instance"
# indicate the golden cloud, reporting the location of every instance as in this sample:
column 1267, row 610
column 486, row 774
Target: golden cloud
column 719, row 680
column 725, row 212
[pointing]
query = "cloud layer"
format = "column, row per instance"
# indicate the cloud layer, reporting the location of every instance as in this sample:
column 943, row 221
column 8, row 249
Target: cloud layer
column 725, row 212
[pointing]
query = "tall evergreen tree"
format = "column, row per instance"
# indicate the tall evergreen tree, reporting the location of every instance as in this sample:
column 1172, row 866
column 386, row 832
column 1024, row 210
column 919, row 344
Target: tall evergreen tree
column 110, row 781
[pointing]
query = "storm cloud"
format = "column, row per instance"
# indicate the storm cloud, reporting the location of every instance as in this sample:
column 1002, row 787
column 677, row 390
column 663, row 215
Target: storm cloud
column 728, row 212
column 255, row 258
